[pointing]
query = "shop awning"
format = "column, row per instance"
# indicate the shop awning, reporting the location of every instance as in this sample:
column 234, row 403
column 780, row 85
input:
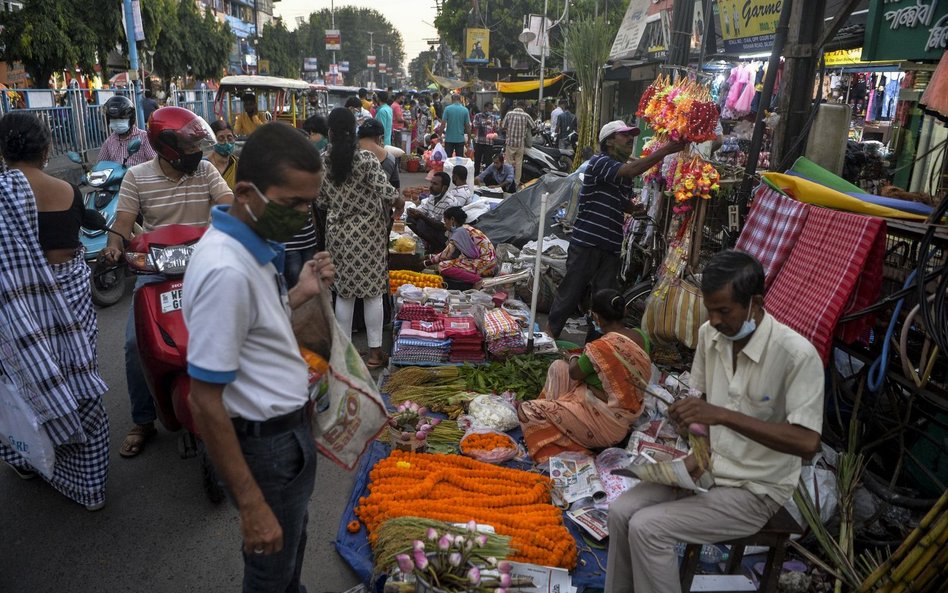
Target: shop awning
column 448, row 83
column 527, row 86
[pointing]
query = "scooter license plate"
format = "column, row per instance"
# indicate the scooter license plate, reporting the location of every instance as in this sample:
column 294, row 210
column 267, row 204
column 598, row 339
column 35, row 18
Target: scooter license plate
column 171, row 300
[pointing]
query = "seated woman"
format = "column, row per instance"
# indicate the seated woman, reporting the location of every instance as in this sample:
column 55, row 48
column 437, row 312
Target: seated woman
column 469, row 255
column 591, row 401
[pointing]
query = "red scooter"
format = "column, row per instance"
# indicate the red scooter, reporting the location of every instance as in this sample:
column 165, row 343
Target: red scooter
column 163, row 337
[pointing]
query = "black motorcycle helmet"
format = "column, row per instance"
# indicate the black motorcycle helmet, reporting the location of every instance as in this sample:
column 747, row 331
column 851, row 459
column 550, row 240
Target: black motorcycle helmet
column 120, row 107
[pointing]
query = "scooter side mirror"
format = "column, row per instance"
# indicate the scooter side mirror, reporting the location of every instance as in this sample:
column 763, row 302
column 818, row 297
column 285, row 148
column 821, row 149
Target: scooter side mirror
column 74, row 157
column 134, row 145
column 93, row 220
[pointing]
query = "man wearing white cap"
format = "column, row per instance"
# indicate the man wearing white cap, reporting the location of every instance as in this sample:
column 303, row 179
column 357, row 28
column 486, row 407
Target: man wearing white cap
column 604, row 200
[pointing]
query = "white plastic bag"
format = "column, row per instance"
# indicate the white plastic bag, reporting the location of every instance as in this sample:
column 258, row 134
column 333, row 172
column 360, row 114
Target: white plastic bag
column 21, row 431
column 492, row 411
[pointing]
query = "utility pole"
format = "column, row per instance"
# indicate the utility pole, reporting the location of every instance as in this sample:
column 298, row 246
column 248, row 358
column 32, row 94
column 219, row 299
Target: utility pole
column 801, row 56
column 133, row 60
column 371, row 51
column 332, row 13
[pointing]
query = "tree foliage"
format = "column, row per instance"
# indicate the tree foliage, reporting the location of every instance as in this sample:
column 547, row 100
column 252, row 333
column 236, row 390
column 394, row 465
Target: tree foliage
column 308, row 41
column 416, row 68
column 505, row 21
column 47, row 36
column 190, row 43
column 280, row 47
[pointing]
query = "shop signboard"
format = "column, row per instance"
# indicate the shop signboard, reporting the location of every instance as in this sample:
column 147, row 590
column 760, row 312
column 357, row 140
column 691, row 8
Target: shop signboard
column 333, row 40
column 748, row 25
column 383, row 68
column 310, row 65
column 344, row 66
column 476, row 46
column 631, row 30
column 848, row 57
column 906, row 30
column 370, row 62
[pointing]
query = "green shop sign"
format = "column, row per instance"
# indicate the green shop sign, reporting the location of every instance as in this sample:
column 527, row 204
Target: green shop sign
column 906, row 30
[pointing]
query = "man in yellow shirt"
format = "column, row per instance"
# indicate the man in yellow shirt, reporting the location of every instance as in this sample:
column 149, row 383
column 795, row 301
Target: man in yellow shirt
column 250, row 119
column 366, row 100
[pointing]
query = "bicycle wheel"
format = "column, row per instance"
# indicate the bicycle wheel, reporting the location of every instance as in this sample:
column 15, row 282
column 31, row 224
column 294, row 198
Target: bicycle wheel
column 635, row 299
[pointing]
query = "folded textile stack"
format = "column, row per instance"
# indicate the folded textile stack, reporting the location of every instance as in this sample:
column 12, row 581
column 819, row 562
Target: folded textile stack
column 467, row 341
column 416, row 312
column 420, row 342
column 503, row 335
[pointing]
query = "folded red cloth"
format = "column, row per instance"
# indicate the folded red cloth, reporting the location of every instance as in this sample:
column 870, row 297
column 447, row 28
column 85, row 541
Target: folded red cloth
column 835, row 265
column 773, row 225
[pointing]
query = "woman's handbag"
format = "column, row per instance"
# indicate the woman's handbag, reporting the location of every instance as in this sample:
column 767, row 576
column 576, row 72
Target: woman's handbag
column 355, row 414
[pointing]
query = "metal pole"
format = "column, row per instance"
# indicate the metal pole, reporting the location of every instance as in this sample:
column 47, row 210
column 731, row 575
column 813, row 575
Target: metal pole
column 332, row 12
column 780, row 38
column 133, row 58
column 371, row 52
column 536, row 271
column 542, row 58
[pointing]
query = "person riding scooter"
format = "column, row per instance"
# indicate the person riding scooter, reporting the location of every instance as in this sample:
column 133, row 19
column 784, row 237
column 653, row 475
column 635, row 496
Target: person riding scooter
column 176, row 187
column 120, row 116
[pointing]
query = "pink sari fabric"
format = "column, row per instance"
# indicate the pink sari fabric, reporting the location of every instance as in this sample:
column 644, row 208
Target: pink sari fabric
column 569, row 417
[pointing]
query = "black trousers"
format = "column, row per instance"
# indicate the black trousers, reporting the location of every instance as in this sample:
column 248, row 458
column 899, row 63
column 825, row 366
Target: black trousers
column 454, row 149
column 432, row 236
column 483, row 154
column 586, row 268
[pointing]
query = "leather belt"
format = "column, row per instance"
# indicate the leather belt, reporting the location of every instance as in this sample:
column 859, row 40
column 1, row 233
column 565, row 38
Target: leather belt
column 273, row 426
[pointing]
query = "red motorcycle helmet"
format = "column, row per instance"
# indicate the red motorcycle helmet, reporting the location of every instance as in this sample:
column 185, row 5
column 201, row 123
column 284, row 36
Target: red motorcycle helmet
column 174, row 132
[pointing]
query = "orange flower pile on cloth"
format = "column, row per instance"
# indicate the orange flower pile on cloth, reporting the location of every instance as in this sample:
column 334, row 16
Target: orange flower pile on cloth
column 487, row 441
column 457, row 489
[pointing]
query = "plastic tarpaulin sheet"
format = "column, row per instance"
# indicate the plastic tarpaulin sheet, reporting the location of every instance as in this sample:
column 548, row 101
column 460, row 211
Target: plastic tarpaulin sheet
column 516, row 220
column 527, row 86
column 448, row 83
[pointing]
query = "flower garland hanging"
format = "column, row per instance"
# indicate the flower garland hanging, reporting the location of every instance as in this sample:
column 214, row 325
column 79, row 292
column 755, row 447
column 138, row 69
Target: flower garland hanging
column 681, row 111
column 457, row 489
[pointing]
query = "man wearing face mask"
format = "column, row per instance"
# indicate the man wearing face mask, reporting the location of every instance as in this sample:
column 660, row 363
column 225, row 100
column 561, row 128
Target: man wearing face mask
column 604, row 200
column 176, row 187
column 427, row 221
column 120, row 115
column 762, row 404
column 249, row 384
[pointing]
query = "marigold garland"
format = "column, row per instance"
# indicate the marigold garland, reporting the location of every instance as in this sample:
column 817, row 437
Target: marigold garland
column 682, row 111
column 457, row 489
column 485, row 442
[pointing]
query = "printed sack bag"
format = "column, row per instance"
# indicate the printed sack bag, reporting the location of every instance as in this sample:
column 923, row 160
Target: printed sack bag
column 658, row 319
column 350, row 413
column 21, row 431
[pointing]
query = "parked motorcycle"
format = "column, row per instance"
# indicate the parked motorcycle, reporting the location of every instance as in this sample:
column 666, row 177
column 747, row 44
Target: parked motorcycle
column 105, row 179
column 163, row 337
column 539, row 160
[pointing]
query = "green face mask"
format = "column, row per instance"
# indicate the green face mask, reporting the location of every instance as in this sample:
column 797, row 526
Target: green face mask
column 224, row 148
column 277, row 223
column 321, row 143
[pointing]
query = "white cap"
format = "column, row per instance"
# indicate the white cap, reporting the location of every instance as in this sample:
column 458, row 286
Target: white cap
column 614, row 127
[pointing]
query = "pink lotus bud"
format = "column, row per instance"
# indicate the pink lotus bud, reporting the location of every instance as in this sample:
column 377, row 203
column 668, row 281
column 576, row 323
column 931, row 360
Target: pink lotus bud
column 420, row 435
column 468, row 545
column 491, row 561
column 422, row 410
column 474, row 575
column 404, row 563
column 481, row 540
column 432, row 534
column 444, row 544
column 418, row 545
column 405, row 436
column 434, row 421
column 472, row 525
column 500, row 590
column 504, row 567
column 392, row 422
column 421, row 561
column 454, row 559
column 698, row 429
column 425, row 427
column 505, row 579
column 413, row 407
column 402, row 407
column 459, row 541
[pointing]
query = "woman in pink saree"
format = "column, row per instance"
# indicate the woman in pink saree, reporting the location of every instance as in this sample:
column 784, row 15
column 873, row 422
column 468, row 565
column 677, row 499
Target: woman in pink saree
column 591, row 401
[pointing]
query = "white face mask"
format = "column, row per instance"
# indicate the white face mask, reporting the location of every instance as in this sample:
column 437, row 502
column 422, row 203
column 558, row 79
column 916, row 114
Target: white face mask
column 747, row 328
column 119, row 126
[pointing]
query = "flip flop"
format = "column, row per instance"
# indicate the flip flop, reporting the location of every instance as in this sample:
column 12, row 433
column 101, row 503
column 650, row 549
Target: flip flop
column 135, row 440
column 378, row 363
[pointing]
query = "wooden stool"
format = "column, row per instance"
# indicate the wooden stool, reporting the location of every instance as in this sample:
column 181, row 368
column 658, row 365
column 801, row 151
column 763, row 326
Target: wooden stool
column 773, row 534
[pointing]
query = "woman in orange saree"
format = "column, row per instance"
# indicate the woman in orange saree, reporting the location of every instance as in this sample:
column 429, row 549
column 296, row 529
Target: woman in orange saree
column 591, row 401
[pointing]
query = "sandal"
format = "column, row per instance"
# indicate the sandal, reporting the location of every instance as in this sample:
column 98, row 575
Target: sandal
column 377, row 364
column 136, row 438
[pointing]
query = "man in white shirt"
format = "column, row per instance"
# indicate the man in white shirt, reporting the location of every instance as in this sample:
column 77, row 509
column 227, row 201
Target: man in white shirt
column 763, row 386
column 249, row 384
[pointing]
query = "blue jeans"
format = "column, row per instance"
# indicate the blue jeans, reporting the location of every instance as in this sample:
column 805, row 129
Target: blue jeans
column 284, row 467
column 293, row 264
column 143, row 407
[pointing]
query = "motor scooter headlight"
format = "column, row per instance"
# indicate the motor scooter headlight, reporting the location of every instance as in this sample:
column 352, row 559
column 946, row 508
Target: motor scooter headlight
column 172, row 259
column 98, row 178
column 141, row 262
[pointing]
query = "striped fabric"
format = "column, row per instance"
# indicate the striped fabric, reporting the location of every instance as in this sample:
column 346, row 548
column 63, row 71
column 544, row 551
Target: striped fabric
column 163, row 201
column 602, row 202
column 772, row 228
column 115, row 149
column 822, row 276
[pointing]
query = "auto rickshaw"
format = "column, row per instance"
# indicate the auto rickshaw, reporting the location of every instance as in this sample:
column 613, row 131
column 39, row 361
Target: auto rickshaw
column 279, row 99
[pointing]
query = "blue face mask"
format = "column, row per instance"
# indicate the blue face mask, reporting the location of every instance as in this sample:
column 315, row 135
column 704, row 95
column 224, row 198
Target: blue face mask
column 321, row 143
column 747, row 328
column 224, row 148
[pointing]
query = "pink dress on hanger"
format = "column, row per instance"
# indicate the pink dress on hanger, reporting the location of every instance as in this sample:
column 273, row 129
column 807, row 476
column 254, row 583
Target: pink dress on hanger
column 743, row 105
column 737, row 79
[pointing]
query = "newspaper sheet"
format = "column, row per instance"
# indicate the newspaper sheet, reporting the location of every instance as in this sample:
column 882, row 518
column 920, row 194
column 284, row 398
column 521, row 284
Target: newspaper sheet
column 594, row 521
column 546, row 579
column 669, row 473
column 575, row 476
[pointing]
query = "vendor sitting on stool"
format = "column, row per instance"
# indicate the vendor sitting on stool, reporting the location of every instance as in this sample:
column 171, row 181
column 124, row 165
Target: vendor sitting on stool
column 427, row 220
column 763, row 387
column 591, row 401
column 469, row 255
column 498, row 174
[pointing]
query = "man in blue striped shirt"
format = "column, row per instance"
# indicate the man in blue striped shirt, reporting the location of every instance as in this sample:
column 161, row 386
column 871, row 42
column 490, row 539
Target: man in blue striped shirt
column 604, row 200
